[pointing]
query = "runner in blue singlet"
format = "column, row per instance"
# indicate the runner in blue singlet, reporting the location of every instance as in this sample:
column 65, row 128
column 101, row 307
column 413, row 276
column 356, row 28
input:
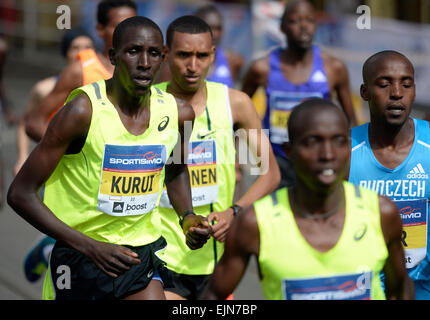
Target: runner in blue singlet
column 293, row 74
column 391, row 155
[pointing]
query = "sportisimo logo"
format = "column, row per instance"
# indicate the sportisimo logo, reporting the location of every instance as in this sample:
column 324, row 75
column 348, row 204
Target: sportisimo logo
column 200, row 153
column 417, row 173
column 149, row 157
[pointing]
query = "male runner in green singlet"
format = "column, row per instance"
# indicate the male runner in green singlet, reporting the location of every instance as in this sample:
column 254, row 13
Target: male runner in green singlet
column 103, row 160
column 323, row 238
column 211, row 154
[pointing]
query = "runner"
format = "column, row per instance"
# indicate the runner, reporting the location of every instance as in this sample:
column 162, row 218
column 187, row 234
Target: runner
column 102, row 159
column 89, row 67
column 323, row 238
column 290, row 75
column 73, row 41
column 391, row 155
column 211, row 154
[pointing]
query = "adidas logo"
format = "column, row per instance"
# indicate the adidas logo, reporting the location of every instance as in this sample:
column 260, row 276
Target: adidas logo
column 318, row 77
column 417, row 173
column 118, row 207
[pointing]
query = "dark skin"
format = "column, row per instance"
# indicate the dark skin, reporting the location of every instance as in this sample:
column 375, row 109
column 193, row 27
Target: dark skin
column 36, row 121
column 137, row 59
column 389, row 89
column 190, row 57
column 296, row 61
column 215, row 21
column 321, row 144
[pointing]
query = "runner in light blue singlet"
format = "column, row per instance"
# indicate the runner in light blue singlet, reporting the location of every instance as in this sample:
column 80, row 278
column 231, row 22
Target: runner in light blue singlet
column 409, row 186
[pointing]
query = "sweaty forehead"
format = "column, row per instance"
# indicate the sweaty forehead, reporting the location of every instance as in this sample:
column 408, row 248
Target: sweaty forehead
column 318, row 118
column 298, row 7
column 141, row 33
column 191, row 41
column 387, row 65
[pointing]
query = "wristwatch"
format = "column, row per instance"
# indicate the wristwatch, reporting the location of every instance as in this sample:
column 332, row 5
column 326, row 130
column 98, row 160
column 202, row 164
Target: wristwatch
column 236, row 209
column 186, row 213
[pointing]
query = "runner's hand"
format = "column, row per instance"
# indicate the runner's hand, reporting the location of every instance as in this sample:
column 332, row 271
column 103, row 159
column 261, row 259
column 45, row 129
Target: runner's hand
column 223, row 221
column 112, row 259
column 197, row 231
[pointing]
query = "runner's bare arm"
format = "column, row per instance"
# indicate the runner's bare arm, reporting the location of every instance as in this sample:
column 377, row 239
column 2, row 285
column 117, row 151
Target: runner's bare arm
column 37, row 119
column 66, row 134
column 343, row 91
column 177, row 180
column 246, row 119
column 235, row 61
column 243, row 240
column 398, row 284
column 255, row 76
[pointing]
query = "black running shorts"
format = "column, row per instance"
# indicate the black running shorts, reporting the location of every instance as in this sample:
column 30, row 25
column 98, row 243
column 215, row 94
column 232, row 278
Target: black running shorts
column 89, row 282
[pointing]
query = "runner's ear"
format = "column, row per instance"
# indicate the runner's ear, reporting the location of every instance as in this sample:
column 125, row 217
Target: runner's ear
column 286, row 146
column 112, row 56
column 364, row 92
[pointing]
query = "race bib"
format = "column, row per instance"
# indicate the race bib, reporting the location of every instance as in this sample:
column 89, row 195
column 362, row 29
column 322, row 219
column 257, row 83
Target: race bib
column 130, row 179
column 281, row 105
column 343, row 287
column 202, row 167
column 414, row 234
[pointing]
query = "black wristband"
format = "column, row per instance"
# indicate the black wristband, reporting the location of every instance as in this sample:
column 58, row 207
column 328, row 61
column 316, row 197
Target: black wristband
column 186, row 213
column 236, row 209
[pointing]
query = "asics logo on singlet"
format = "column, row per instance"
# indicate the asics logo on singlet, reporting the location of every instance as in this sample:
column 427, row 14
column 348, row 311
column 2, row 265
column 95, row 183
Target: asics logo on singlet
column 163, row 124
column 417, row 173
column 359, row 234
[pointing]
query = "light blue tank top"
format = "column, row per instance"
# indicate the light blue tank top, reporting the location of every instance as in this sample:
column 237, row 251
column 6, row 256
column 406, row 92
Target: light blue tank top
column 283, row 96
column 409, row 186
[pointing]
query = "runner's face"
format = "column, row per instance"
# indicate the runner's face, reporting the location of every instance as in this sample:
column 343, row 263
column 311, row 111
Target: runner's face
column 320, row 150
column 78, row 44
column 115, row 17
column 299, row 26
column 390, row 90
column 190, row 57
column 138, row 58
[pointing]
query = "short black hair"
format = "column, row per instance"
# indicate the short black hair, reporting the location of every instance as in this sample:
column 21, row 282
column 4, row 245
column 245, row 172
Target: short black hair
column 309, row 104
column 135, row 21
column 290, row 7
column 71, row 35
column 187, row 24
column 105, row 6
column 207, row 9
column 367, row 66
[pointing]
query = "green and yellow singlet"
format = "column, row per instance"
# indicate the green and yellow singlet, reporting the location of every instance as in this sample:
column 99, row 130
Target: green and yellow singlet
column 211, row 165
column 108, row 190
column 291, row 269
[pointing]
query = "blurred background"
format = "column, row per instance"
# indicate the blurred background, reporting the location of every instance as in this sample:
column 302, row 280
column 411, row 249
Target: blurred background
column 251, row 28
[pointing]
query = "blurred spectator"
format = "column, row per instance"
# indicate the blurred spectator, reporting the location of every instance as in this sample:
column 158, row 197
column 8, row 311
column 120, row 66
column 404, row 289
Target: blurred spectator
column 72, row 43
